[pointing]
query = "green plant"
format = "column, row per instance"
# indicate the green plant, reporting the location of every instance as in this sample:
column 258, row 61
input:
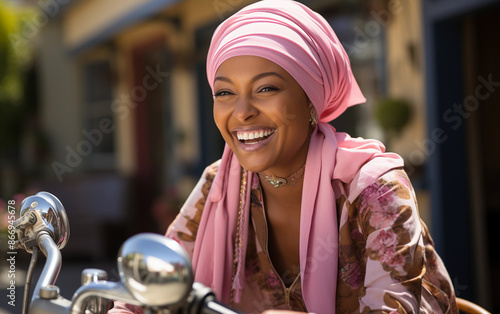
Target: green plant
column 393, row 114
column 12, row 75
column 10, row 63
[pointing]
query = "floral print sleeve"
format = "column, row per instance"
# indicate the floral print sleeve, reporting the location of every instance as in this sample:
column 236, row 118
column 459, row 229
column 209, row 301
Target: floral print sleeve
column 387, row 262
column 185, row 226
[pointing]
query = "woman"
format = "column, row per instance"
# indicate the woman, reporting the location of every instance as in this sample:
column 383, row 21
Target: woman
column 296, row 216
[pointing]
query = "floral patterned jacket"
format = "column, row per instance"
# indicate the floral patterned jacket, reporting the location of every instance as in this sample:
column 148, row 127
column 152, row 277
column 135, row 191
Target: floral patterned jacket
column 387, row 262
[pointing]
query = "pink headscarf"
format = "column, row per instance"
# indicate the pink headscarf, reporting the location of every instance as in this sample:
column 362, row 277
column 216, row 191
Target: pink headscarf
column 301, row 42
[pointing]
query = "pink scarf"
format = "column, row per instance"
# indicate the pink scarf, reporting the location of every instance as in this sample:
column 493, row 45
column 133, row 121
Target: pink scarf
column 300, row 41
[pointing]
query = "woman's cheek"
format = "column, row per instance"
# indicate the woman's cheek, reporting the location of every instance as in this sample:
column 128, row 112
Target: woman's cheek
column 221, row 118
column 218, row 116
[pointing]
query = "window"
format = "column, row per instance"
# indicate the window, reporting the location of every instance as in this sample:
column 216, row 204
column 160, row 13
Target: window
column 98, row 126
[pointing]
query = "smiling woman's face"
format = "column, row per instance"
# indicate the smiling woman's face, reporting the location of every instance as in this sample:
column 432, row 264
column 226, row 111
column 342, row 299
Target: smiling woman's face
column 262, row 114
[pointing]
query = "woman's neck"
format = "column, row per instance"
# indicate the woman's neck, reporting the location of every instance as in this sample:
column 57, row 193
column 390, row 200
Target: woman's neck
column 286, row 199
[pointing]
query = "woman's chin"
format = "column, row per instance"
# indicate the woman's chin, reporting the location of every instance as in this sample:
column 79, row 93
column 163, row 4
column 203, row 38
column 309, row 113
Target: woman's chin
column 252, row 165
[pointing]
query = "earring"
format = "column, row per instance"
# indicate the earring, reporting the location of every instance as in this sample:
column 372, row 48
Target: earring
column 313, row 115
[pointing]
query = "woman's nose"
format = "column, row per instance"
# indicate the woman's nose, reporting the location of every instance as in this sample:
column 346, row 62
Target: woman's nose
column 244, row 109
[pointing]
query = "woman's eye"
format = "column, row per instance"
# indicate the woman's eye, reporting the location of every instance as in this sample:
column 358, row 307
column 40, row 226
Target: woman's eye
column 222, row 93
column 268, row 89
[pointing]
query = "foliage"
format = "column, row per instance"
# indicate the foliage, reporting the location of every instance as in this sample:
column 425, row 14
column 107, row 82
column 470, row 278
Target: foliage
column 393, row 114
column 10, row 65
column 12, row 62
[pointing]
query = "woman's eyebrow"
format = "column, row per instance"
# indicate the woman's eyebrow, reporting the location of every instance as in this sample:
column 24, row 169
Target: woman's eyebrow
column 255, row 78
column 262, row 75
column 222, row 78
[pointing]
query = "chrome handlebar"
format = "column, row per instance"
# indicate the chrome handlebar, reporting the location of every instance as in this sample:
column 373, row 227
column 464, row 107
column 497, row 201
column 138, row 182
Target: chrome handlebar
column 53, row 263
column 155, row 271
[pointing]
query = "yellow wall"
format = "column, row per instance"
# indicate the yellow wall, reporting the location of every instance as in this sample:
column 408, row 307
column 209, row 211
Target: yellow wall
column 405, row 78
column 406, row 81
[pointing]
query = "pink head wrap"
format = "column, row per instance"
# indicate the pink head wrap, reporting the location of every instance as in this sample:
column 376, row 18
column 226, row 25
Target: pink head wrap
column 297, row 39
column 301, row 42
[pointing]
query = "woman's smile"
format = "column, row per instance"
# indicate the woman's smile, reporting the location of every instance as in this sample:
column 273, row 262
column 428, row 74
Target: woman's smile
column 253, row 136
column 262, row 114
column 253, row 140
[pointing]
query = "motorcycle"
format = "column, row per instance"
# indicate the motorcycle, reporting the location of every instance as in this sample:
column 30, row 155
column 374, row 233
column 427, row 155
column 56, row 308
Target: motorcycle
column 155, row 272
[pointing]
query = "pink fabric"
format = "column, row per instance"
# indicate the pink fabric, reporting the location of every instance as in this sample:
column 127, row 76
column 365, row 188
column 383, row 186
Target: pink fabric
column 297, row 39
column 331, row 156
column 301, row 42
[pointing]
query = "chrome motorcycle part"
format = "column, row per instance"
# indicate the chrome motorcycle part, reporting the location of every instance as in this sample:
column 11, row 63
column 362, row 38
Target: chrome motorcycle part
column 52, row 264
column 155, row 269
column 43, row 224
column 202, row 300
column 93, row 275
column 42, row 212
column 49, row 292
column 107, row 290
column 95, row 304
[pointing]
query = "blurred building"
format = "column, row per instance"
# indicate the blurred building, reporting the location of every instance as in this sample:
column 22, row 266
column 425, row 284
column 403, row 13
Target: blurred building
column 126, row 108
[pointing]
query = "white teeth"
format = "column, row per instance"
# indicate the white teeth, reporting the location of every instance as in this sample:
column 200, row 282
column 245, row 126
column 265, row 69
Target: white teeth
column 253, row 135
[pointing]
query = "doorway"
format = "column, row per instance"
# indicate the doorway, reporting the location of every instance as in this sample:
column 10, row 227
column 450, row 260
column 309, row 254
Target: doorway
column 153, row 123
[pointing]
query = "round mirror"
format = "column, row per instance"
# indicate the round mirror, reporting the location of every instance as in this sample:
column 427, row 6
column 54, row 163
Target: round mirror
column 155, row 269
column 52, row 213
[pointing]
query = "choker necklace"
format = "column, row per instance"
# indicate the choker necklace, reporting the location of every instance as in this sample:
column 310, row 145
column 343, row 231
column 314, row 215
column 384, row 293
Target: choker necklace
column 290, row 180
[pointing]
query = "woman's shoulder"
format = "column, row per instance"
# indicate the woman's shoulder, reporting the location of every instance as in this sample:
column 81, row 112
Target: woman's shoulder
column 366, row 182
column 394, row 180
column 391, row 191
column 388, row 200
column 211, row 170
column 205, row 183
column 185, row 226
column 206, row 180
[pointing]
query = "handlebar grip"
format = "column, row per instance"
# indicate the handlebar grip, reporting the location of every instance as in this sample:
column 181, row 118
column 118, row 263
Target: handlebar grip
column 202, row 301
column 214, row 307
